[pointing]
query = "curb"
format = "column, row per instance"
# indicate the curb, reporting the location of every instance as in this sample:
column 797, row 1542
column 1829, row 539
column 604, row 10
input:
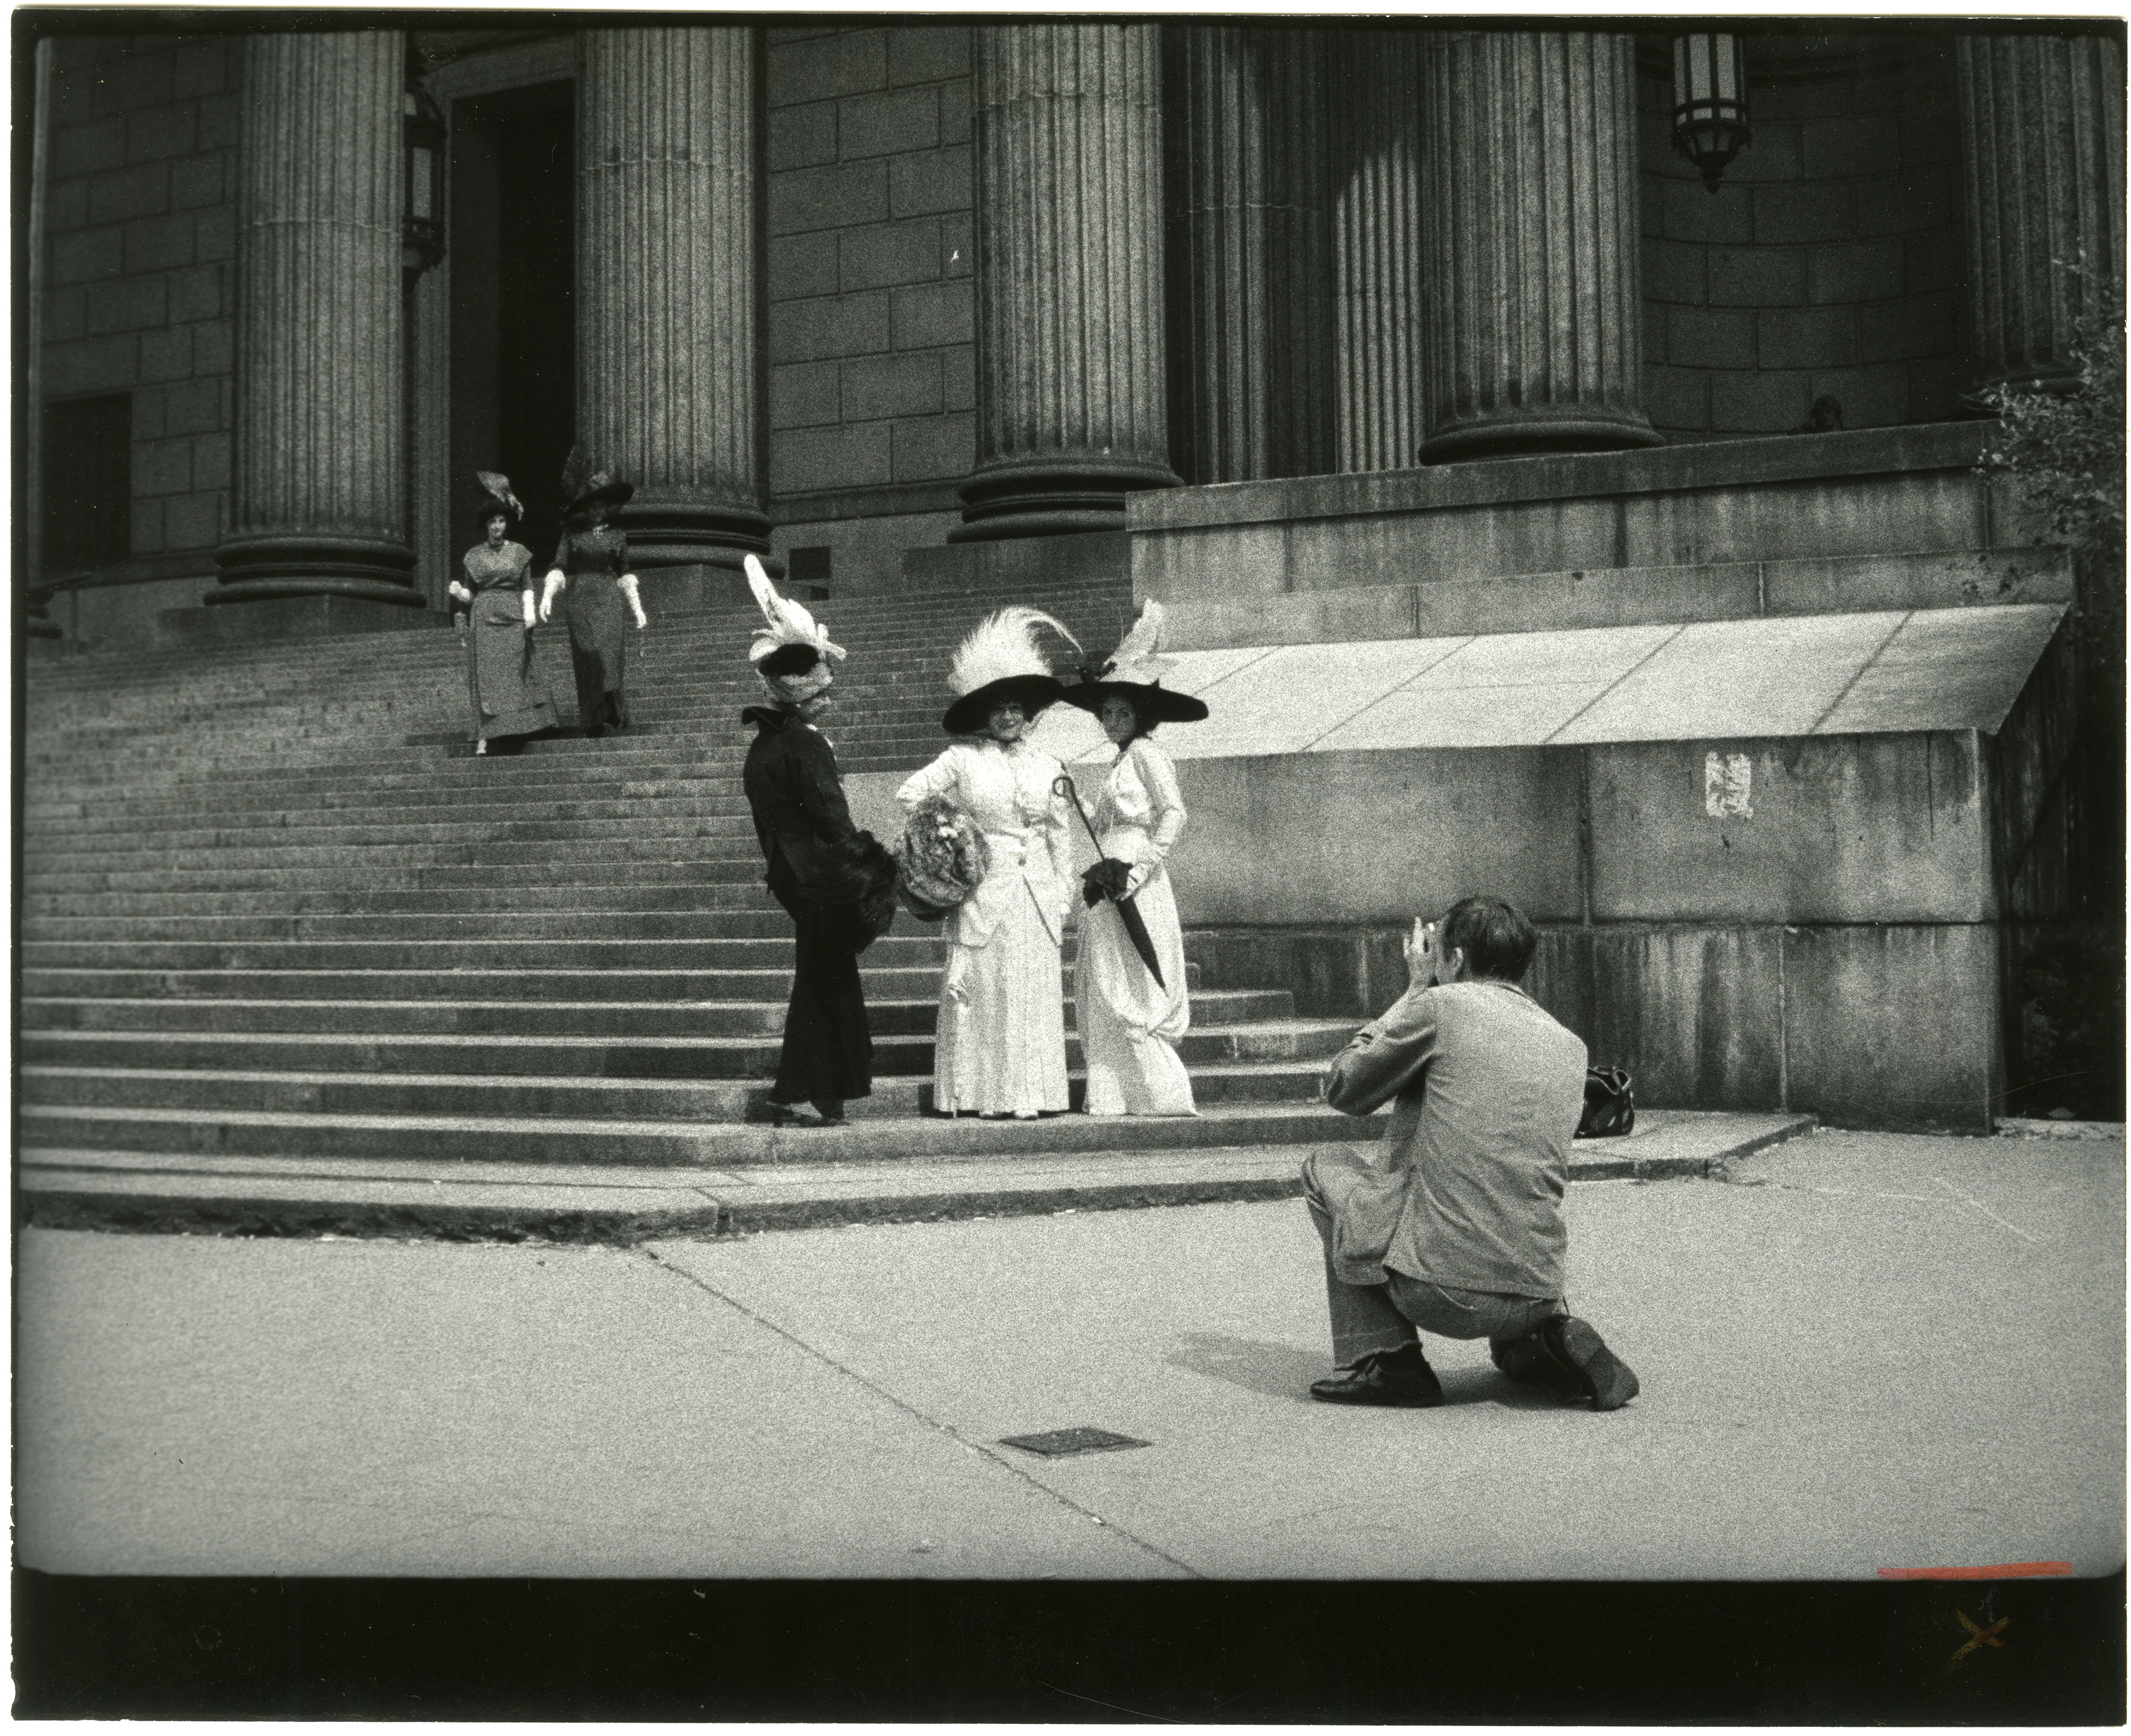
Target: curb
column 173, row 1212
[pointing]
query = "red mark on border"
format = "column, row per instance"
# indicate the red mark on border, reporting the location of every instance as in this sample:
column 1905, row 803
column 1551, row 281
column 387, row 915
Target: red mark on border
column 2007, row 1570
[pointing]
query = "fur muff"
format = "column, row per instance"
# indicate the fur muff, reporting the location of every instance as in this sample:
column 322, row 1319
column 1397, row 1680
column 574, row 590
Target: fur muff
column 940, row 859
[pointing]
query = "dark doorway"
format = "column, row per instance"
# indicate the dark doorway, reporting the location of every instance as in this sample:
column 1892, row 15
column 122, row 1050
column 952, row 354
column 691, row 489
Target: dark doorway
column 514, row 318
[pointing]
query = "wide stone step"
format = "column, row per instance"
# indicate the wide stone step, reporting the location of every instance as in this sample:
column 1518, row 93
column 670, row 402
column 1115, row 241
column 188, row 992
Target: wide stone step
column 512, row 857
column 655, row 1055
column 383, row 871
column 726, row 810
column 910, row 950
column 361, row 829
column 701, row 784
column 665, row 987
column 45, row 1128
column 700, row 893
column 523, row 1095
column 498, row 929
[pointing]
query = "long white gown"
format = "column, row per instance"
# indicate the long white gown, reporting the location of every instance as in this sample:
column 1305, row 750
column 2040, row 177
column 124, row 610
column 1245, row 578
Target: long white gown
column 1129, row 1024
column 1000, row 1047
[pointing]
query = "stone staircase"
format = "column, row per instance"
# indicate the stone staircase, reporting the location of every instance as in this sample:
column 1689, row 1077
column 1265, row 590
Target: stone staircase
column 273, row 910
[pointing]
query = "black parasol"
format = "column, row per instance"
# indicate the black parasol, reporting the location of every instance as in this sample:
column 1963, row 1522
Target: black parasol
column 1112, row 886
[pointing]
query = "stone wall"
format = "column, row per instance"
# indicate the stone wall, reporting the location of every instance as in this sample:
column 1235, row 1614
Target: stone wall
column 141, row 232
column 872, row 381
column 1830, row 260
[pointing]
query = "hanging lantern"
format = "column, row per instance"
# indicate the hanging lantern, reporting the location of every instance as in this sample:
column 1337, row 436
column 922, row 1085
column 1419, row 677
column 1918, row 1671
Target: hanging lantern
column 423, row 234
column 1709, row 101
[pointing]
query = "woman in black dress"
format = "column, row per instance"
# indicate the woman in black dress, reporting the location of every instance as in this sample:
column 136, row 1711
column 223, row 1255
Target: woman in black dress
column 836, row 882
column 591, row 570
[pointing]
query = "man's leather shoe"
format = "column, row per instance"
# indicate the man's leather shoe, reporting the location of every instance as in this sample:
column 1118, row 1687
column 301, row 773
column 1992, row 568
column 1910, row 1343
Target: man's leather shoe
column 1600, row 1375
column 1383, row 1377
column 1527, row 1359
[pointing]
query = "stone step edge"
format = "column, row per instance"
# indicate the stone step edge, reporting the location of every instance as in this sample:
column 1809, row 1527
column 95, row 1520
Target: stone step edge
column 59, row 1194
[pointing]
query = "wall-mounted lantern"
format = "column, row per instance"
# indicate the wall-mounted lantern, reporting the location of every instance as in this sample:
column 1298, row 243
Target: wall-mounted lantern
column 1709, row 101
column 423, row 237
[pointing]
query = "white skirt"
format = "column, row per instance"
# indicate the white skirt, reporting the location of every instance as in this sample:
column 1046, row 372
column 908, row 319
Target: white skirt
column 1129, row 1023
column 1000, row 1047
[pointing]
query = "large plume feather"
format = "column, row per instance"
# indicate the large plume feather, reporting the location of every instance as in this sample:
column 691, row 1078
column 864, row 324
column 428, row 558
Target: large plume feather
column 499, row 490
column 1003, row 643
column 785, row 622
column 1137, row 657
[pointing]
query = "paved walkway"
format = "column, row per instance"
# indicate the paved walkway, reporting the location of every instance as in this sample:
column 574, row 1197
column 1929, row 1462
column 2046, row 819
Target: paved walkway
column 1877, row 1352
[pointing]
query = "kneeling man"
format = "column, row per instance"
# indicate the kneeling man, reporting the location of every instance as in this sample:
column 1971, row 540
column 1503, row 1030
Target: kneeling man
column 1457, row 1228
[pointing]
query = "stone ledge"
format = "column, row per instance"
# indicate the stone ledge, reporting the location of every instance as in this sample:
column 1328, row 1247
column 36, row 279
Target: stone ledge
column 1502, row 481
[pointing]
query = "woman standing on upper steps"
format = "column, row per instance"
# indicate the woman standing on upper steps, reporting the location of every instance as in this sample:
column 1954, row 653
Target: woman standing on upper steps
column 1129, row 1022
column 494, row 609
column 591, row 561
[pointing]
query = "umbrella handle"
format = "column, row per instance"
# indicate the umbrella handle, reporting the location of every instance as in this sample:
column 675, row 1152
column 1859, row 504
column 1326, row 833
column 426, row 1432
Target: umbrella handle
column 1062, row 785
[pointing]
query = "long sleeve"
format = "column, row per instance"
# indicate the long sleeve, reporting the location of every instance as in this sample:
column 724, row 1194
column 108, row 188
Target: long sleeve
column 934, row 780
column 820, row 790
column 1386, row 1056
column 1159, row 775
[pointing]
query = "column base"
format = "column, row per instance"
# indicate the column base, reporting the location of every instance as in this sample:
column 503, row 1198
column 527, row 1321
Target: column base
column 267, row 566
column 689, row 534
column 1052, row 497
column 1535, row 433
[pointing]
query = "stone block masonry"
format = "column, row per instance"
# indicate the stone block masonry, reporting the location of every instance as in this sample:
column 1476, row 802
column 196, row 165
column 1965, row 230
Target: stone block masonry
column 1828, row 263
column 869, row 209
column 139, row 229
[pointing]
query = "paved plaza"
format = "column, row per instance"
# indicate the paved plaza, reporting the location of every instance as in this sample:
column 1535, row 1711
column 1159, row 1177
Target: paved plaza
column 1864, row 1352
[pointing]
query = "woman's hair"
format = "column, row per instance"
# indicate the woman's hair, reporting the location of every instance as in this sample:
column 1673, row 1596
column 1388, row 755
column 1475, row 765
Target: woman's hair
column 489, row 513
column 1498, row 937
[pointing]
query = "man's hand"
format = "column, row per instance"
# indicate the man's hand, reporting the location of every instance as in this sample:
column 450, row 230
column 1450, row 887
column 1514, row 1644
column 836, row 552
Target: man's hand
column 1420, row 955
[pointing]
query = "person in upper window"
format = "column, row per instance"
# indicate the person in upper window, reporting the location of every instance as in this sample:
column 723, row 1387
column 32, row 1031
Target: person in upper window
column 591, row 571
column 1457, row 1227
column 999, row 1048
column 1129, row 1020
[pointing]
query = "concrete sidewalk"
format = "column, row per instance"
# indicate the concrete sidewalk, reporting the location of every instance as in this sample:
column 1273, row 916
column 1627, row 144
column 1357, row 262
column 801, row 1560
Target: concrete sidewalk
column 863, row 1174
column 1877, row 1352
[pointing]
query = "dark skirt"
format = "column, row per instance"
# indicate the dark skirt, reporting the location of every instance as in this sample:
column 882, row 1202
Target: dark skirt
column 509, row 696
column 827, row 1056
column 599, row 621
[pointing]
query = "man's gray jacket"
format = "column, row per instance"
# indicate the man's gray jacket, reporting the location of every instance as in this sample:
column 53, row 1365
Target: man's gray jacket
column 1467, row 1188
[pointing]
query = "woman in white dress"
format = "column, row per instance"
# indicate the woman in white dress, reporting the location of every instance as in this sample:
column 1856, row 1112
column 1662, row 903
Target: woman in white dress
column 1000, row 1046
column 1129, row 1023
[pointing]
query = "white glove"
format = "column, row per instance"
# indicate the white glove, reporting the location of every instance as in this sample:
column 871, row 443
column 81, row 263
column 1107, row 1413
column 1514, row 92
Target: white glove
column 548, row 593
column 459, row 592
column 531, row 610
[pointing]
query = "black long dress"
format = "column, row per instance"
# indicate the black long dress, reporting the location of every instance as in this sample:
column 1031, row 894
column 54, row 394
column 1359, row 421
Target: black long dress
column 598, row 617
column 837, row 885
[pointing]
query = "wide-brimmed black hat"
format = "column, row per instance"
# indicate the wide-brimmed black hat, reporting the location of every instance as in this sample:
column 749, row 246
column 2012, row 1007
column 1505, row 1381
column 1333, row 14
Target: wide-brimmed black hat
column 584, row 489
column 1152, row 702
column 970, row 714
column 1134, row 674
column 1000, row 660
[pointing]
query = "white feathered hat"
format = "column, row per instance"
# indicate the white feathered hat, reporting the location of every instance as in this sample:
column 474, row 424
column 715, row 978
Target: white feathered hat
column 1134, row 675
column 792, row 651
column 999, row 660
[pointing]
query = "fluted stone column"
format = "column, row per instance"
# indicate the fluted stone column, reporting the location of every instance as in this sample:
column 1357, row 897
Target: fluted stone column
column 1534, row 308
column 1246, row 118
column 317, row 498
column 2042, row 124
column 1377, row 243
column 668, row 326
column 1069, row 354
